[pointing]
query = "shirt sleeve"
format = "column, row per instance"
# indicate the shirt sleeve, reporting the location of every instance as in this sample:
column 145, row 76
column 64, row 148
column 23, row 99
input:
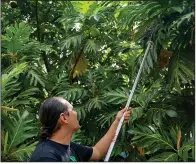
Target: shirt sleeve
column 84, row 152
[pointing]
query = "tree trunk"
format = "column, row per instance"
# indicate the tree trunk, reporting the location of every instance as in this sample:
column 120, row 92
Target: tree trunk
column 46, row 62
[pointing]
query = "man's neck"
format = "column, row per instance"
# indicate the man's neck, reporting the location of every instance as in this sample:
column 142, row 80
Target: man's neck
column 62, row 137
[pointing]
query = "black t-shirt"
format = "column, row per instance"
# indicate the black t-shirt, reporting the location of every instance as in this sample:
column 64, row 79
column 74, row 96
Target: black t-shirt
column 50, row 151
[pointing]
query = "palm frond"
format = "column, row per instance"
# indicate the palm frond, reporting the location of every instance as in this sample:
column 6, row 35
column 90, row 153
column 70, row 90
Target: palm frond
column 91, row 47
column 157, row 115
column 136, row 113
column 82, row 112
column 7, row 77
column 23, row 153
column 16, row 36
column 111, row 82
column 165, row 157
column 73, row 41
column 185, row 18
column 58, row 82
column 148, row 136
column 33, row 49
column 160, row 140
column 12, row 88
column 95, row 103
column 70, row 16
column 117, row 96
column 106, row 118
column 19, row 129
column 73, row 94
column 140, row 13
column 186, row 150
column 25, row 98
column 36, row 78
column 180, row 71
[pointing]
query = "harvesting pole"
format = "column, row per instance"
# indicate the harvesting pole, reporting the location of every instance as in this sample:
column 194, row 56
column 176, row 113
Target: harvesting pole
column 127, row 105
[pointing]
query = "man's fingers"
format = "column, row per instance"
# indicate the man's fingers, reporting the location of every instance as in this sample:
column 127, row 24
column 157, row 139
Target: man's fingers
column 130, row 108
column 123, row 110
column 127, row 116
column 128, row 112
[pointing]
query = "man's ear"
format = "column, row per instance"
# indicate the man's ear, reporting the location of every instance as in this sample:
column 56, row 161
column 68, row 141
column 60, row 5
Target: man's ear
column 63, row 119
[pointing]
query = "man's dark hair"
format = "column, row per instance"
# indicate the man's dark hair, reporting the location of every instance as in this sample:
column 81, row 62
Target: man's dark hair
column 49, row 114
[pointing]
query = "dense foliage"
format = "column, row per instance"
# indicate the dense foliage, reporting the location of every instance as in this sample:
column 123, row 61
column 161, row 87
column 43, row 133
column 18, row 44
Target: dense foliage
column 89, row 53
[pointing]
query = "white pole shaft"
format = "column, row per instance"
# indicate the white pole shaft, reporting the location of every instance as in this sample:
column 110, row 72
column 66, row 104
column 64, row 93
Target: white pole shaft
column 127, row 105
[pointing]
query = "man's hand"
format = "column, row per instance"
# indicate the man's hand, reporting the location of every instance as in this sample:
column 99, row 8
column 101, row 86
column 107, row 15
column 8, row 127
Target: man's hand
column 101, row 148
column 127, row 114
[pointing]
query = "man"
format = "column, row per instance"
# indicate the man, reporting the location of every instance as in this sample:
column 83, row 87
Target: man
column 59, row 121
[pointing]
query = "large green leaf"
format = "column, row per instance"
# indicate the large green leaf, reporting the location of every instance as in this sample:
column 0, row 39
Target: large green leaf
column 35, row 78
column 95, row 103
column 136, row 113
column 72, row 41
column 21, row 98
column 19, row 129
column 106, row 118
column 165, row 157
column 13, row 73
column 16, row 36
column 184, row 151
column 91, row 47
column 180, row 71
column 73, row 94
column 82, row 7
column 147, row 136
column 117, row 96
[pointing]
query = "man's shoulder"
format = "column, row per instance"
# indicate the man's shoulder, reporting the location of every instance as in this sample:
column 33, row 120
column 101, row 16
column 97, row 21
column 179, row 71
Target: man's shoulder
column 45, row 146
column 75, row 145
column 44, row 149
column 83, row 152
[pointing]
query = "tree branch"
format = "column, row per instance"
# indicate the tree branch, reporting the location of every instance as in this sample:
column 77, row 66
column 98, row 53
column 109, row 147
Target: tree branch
column 46, row 62
column 76, row 62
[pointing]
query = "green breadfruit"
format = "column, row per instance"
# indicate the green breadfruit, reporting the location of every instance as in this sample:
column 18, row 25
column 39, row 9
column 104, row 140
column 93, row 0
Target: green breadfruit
column 94, row 32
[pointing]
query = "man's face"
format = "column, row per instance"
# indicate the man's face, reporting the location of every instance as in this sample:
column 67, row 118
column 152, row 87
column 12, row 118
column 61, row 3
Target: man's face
column 72, row 119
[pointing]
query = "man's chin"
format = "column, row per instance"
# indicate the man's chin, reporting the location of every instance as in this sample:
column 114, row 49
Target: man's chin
column 77, row 128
